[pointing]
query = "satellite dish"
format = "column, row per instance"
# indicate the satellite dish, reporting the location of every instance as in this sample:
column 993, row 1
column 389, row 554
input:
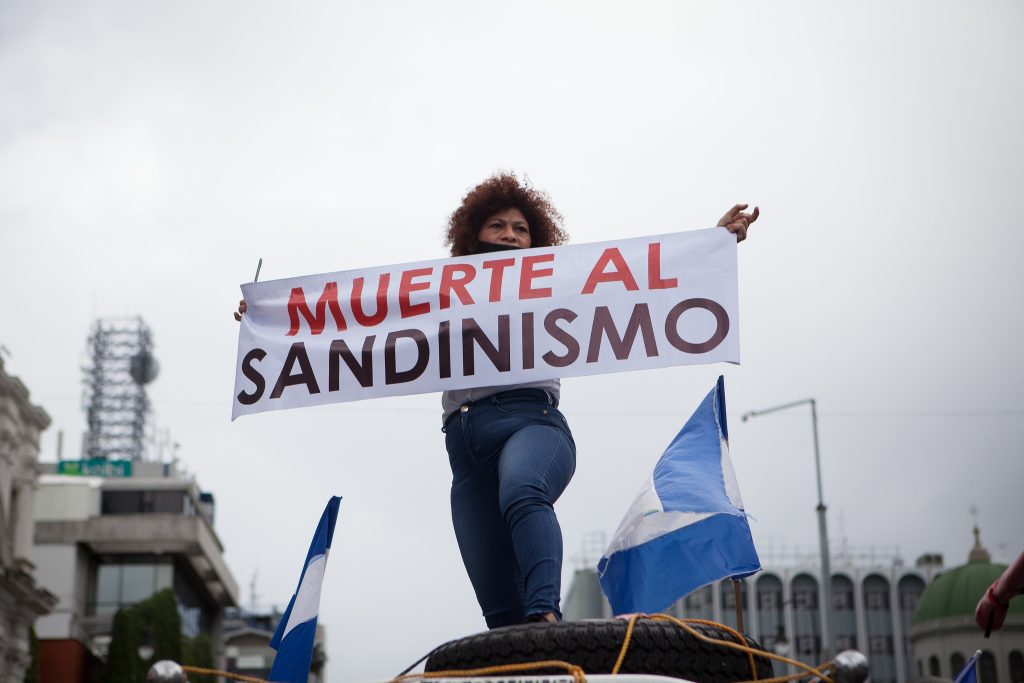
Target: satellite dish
column 144, row 367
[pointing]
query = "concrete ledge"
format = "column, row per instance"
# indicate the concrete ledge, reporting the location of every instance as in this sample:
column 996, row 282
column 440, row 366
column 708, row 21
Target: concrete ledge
column 961, row 624
column 149, row 534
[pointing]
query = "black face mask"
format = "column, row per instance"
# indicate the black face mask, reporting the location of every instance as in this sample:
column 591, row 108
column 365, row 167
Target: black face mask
column 488, row 247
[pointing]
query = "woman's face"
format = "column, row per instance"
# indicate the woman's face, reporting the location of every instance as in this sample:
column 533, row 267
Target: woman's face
column 509, row 227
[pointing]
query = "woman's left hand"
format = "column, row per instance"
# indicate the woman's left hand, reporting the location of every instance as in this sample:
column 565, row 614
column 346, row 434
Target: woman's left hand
column 737, row 222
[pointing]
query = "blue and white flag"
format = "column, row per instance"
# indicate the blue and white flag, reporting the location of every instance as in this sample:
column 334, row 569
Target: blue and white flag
column 296, row 631
column 969, row 674
column 687, row 528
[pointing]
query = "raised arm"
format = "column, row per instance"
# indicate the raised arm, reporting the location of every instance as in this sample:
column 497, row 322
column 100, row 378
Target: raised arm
column 991, row 610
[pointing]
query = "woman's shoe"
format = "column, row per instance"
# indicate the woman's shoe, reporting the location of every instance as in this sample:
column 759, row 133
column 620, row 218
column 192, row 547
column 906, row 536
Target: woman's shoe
column 542, row 618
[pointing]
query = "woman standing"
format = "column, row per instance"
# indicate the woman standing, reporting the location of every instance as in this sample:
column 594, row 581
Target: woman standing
column 510, row 449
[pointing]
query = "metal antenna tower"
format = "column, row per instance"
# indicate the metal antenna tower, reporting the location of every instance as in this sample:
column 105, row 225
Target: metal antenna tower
column 116, row 406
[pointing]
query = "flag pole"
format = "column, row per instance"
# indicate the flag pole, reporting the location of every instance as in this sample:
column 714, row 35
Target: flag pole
column 737, row 587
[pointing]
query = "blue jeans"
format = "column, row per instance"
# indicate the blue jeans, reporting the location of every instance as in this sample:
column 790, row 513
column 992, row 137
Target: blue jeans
column 511, row 455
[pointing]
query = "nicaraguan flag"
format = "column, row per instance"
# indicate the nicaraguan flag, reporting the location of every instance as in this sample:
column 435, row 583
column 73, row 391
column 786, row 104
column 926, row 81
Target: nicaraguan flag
column 296, row 631
column 969, row 674
column 687, row 528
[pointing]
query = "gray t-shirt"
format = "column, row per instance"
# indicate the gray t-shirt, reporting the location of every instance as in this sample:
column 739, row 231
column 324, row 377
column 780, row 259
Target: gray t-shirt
column 451, row 400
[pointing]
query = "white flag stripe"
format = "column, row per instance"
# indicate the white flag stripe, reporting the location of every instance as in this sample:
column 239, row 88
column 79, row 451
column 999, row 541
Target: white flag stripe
column 307, row 599
column 651, row 527
column 639, row 525
column 732, row 489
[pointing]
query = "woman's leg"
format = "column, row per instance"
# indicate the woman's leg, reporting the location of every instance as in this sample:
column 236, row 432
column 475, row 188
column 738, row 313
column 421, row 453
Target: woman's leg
column 483, row 536
column 535, row 466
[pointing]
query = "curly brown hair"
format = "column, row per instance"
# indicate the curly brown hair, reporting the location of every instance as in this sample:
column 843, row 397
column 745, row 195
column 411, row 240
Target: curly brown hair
column 499, row 192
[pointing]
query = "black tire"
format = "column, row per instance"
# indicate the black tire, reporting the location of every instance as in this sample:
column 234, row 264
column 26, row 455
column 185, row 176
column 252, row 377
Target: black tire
column 657, row 647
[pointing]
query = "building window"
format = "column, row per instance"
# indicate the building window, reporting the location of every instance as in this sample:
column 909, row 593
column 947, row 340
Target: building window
column 1016, row 667
column 770, row 614
column 805, row 599
column 806, row 620
column 956, row 663
column 728, row 599
column 145, row 502
column 123, row 584
column 987, row 668
column 933, row 666
column 842, row 599
column 698, row 604
column 845, row 642
column 808, row 646
column 728, row 595
column 880, row 645
column 876, row 600
column 195, row 617
column 844, row 614
column 909, row 588
column 878, row 622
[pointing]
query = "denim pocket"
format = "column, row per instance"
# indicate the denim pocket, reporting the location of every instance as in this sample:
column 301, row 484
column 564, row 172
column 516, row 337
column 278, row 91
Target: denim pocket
column 521, row 406
column 559, row 421
column 560, row 418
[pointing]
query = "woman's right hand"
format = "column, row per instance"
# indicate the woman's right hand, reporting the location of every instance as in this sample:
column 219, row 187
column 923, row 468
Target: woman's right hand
column 241, row 310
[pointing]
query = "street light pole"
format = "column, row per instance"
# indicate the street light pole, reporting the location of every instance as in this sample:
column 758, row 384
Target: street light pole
column 826, row 565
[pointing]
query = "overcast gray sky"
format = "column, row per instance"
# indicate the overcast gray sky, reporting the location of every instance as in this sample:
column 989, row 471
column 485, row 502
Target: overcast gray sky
column 150, row 153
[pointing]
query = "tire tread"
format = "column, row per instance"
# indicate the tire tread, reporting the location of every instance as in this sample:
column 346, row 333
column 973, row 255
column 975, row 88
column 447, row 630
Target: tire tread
column 656, row 647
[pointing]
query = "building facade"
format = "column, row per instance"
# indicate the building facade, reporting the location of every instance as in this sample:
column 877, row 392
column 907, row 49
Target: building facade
column 945, row 634
column 22, row 599
column 247, row 648
column 106, row 542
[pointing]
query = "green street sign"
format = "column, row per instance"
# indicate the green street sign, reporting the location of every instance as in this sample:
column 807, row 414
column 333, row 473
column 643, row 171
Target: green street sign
column 95, row 467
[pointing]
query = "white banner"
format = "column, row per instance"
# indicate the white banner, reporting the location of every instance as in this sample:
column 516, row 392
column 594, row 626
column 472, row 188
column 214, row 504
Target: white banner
column 490, row 319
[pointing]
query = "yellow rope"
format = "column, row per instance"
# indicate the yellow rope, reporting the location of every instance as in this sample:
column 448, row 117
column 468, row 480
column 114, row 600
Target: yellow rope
column 664, row 617
column 809, row 670
column 736, row 634
column 625, row 643
column 218, row 672
column 576, row 672
column 741, row 646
